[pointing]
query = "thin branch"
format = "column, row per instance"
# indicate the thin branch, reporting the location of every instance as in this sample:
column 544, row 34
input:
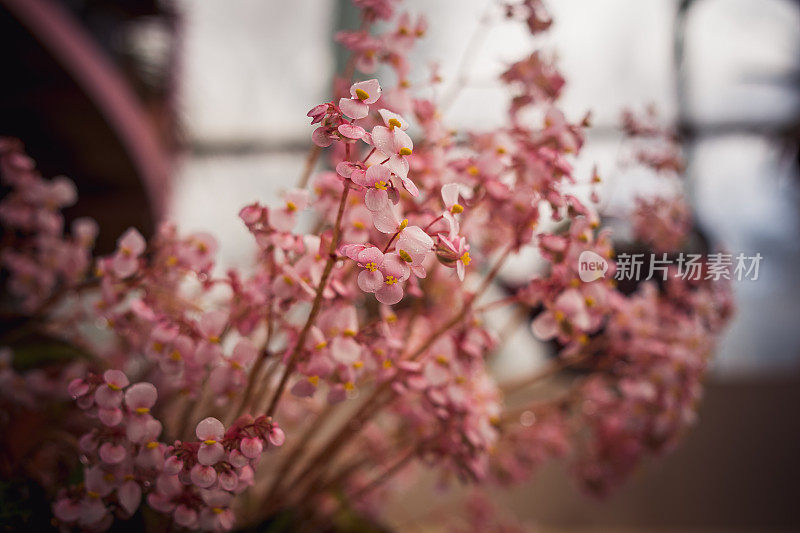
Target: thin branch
column 315, row 307
column 311, row 162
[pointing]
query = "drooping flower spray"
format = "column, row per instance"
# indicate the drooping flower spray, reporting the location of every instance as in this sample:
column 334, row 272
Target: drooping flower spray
column 341, row 357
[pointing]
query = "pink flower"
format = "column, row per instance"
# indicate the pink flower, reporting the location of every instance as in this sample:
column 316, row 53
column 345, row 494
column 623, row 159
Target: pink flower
column 130, row 496
column 393, row 120
column 77, row 388
column 109, row 394
column 211, row 325
column 112, row 453
column 566, row 318
column 285, row 218
column 450, row 193
column 185, row 516
column 251, row 447
column 362, row 94
column 395, row 145
column 376, row 9
column 454, row 253
column 378, row 180
column 232, row 373
column 387, row 280
column 276, row 435
column 351, row 131
column 305, row 387
column 413, row 247
column 140, row 398
column 370, row 259
column 364, row 46
column 144, row 432
column 110, row 416
column 210, row 431
column 130, row 246
column 384, row 216
column 197, row 251
column 203, row 476
column 67, row 510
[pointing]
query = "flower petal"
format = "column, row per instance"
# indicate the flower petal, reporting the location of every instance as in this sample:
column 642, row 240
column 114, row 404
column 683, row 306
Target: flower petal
column 353, row 108
column 351, row 131
column 390, row 294
column 370, row 281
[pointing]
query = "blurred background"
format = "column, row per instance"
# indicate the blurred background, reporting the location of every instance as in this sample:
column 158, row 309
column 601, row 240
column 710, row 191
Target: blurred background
column 189, row 109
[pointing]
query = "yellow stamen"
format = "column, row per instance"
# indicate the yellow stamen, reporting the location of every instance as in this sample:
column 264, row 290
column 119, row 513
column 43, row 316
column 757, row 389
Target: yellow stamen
column 215, row 339
column 291, row 206
column 113, row 387
column 372, row 267
column 442, row 360
column 358, row 364
column 209, row 442
column 405, row 151
column 559, row 316
column 361, row 94
column 175, row 356
column 473, row 170
column 152, row 445
column 349, row 386
column 405, row 256
column 314, row 380
column 109, row 477
column 172, row 261
column 92, row 494
column 382, row 185
column 142, row 410
column 465, row 258
column 287, row 280
column 456, row 209
column 403, row 224
column 359, row 225
column 321, row 345
column 390, row 280
column 387, row 364
column 349, row 333
column 391, row 318
column 394, row 123
column 217, row 510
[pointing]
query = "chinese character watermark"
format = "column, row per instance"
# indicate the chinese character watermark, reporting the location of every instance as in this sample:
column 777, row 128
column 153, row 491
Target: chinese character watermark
column 694, row 267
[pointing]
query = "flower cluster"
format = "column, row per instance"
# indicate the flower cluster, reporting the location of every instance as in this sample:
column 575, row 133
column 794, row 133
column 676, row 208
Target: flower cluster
column 122, row 452
column 39, row 258
column 200, row 479
column 369, row 336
